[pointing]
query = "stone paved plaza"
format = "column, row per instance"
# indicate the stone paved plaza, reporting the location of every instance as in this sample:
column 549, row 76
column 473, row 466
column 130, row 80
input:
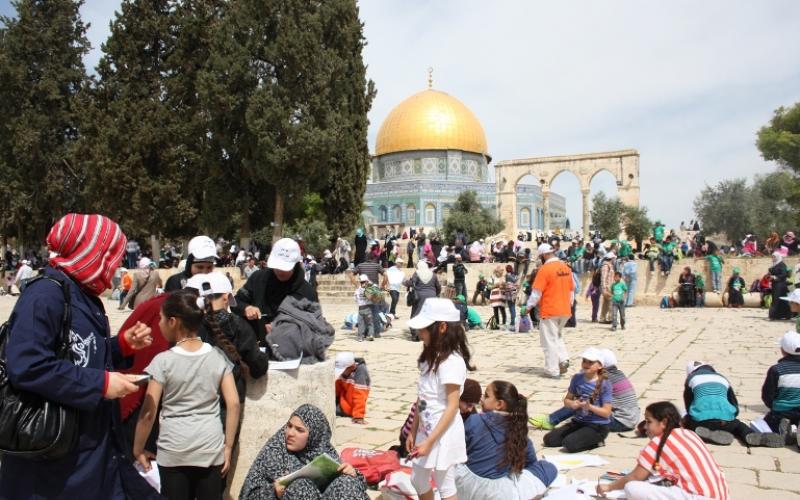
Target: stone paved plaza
column 653, row 351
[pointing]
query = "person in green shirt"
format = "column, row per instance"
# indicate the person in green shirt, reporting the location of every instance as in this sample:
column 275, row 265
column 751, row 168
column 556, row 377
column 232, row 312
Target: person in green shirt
column 699, row 288
column 658, row 232
column 618, row 290
column 715, row 262
column 667, row 255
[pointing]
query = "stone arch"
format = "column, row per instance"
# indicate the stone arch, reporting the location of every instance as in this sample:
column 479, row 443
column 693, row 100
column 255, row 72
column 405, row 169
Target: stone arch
column 430, row 215
column 623, row 165
column 383, row 213
column 397, row 213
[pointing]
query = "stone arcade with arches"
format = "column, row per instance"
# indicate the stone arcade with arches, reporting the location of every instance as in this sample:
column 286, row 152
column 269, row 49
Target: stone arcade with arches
column 623, row 165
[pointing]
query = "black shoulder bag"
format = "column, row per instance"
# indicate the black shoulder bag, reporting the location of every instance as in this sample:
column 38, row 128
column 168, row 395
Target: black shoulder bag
column 31, row 426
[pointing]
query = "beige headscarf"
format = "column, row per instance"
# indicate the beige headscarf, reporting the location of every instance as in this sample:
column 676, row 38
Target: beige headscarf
column 423, row 272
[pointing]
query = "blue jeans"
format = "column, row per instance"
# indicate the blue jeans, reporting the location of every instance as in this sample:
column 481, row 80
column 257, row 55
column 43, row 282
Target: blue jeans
column 564, row 413
column 512, row 311
column 631, row 283
column 377, row 326
column 666, row 262
column 716, row 280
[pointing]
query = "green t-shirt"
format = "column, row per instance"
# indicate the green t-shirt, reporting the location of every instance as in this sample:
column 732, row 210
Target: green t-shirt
column 473, row 317
column 625, row 249
column 668, row 248
column 715, row 262
column 699, row 282
column 618, row 290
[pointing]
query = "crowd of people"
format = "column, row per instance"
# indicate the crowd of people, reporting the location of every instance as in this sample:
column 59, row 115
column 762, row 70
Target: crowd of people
column 171, row 384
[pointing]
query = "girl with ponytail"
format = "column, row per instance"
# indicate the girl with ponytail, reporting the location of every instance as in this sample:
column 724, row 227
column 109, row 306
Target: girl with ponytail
column 501, row 461
column 194, row 453
column 230, row 332
column 681, row 463
column 590, row 396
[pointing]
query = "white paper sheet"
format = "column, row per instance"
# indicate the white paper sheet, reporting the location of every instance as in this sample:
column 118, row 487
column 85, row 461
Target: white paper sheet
column 153, row 478
column 575, row 461
column 292, row 364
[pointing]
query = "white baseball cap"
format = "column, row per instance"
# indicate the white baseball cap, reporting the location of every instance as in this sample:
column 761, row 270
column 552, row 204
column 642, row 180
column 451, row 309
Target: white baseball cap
column 544, row 248
column 610, row 255
column 790, row 342
column 594, row 354
column 144, row 263
column 691, row 366
column 793, row 297
column 362, row 278
column 609, row 358
column 435, row 309
column 202, row 249
column 217, row 282
column 344, row 360
column 285, row 255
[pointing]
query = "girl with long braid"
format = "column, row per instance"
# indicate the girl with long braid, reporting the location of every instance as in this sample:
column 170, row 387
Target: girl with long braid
column 229, row 332
column 501, row 461
column 682, row 465
column 590, row 396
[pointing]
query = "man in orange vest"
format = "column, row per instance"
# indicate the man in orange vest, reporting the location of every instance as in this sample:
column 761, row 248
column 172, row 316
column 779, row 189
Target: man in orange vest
column 553, row 291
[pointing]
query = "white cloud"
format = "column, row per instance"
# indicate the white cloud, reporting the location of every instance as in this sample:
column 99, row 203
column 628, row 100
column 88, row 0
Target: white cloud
column 686, row 83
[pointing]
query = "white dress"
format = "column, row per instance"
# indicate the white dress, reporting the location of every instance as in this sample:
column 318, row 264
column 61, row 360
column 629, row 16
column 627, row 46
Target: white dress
column 451, row 448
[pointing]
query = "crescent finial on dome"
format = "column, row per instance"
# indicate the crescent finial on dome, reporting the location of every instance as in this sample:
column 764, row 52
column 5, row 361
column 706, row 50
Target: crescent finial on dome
column 430, row 77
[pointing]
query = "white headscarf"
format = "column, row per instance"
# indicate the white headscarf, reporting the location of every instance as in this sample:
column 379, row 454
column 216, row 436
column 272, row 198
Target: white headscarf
column 778, row 257
column 423, row 272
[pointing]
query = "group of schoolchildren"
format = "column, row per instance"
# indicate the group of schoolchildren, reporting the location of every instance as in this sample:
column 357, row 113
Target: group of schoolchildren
column 489, row 454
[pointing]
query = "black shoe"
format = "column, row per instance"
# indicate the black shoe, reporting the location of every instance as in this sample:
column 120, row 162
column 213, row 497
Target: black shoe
column 722, row 438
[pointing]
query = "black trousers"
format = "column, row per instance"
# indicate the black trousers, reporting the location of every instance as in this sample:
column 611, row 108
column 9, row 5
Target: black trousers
column 502, row 311
column 190, row 483
column 736, row 427
column 576, row 436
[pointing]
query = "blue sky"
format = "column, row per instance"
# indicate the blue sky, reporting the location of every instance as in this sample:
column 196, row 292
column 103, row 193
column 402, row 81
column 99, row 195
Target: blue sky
column 686, row 83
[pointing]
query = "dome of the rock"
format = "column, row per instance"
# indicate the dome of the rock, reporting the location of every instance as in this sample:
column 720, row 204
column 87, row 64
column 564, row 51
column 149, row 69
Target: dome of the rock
column 431, row 120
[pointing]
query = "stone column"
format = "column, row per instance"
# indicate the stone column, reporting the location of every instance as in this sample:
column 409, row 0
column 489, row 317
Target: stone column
column 586, row 213
column 546, row 207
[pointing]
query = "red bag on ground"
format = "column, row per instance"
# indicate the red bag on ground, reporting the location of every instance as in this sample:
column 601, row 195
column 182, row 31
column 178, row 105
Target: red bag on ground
column 373, row 464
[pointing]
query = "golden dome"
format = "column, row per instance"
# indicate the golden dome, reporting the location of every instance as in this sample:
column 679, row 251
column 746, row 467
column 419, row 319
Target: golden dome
column 431, row 120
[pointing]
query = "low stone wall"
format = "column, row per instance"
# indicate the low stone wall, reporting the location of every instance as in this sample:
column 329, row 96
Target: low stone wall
column 650, row 288
column 270, row 402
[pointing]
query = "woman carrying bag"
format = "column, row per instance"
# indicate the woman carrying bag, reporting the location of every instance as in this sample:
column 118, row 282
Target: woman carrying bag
column 88, row 249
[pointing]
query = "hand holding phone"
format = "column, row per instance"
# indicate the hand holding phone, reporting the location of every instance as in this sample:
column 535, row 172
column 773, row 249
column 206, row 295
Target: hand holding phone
column 142, row 379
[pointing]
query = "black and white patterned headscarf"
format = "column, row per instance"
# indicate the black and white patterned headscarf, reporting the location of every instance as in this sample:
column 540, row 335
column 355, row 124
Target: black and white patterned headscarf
column 275, row 461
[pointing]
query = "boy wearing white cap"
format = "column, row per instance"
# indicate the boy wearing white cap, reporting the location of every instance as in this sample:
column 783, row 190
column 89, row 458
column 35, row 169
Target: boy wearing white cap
column 781, row 389
column 202, row 255
column 262, row 294
column 352, row 386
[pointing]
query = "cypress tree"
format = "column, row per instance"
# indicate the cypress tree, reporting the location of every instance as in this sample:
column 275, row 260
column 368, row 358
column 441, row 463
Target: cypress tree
column 41, row 72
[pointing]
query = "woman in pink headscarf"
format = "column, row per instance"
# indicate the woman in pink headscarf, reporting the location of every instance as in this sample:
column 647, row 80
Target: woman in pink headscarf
column 85, row 252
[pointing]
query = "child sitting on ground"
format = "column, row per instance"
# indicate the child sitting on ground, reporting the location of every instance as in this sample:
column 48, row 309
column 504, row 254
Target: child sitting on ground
column 624, row 404
column 589, row 395
column 781, row 389
column 501, row 461
column 352, row 386
column 674, row 464
column 711, row 410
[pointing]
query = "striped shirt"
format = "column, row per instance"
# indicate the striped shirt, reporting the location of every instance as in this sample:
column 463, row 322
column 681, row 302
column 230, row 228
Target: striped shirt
column 688, row 463
column 624, row 405
column 781, row 390
column 709, row 396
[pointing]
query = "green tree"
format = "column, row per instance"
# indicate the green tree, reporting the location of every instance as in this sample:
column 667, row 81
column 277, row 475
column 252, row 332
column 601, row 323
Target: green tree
column 41, row 72
column 725, row 208
column 137, row 170
column 469, row 216
column 607, row 215
column 637, row 224
column 770, row 201
column 780, row 140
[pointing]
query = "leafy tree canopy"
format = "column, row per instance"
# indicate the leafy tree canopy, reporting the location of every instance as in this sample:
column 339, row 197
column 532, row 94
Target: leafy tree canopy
column 471, row 218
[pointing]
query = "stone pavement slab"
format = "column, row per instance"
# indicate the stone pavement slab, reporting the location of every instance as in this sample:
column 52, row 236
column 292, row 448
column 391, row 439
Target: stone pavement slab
column 653, row 352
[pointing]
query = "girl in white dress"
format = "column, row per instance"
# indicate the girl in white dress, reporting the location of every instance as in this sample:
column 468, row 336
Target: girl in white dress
column 436, row 442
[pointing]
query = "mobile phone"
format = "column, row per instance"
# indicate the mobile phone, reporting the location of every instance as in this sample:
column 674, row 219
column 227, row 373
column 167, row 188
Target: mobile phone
column 142, row 379
column 414, row 453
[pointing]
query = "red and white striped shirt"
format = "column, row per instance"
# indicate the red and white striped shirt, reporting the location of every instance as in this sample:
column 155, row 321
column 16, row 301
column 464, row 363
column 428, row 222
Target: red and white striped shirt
column 686, row 461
